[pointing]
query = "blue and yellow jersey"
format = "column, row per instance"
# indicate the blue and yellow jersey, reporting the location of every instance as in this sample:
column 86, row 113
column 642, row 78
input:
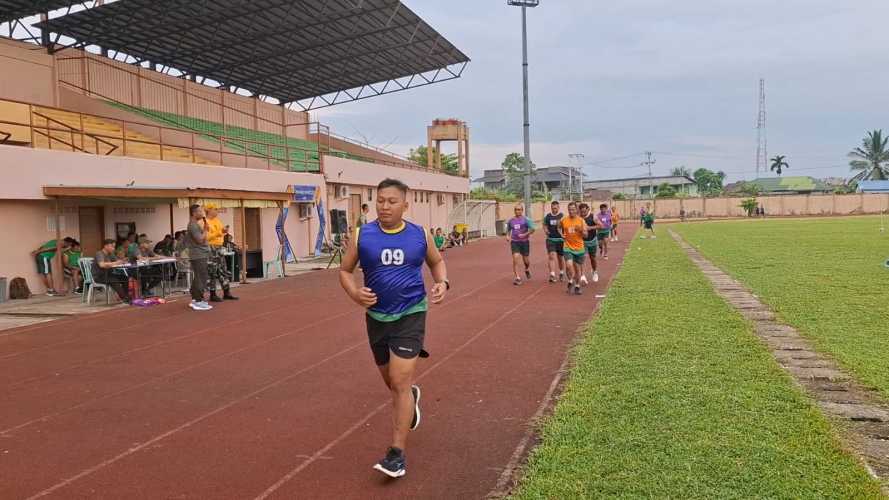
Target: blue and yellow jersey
column 392, row 262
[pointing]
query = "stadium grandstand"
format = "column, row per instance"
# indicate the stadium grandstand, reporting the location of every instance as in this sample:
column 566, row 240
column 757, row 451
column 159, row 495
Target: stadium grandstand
column 115, row 116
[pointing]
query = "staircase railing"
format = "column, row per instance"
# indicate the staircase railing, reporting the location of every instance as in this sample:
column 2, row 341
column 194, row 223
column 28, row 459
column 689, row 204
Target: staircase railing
column 81, row 132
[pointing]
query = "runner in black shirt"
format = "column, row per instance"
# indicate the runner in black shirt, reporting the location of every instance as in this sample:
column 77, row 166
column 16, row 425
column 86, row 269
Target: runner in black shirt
column 554, row 242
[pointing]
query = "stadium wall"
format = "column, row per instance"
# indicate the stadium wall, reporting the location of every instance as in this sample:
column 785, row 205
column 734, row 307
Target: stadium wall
column 725, row 207
column 101, row 77
column 26, row 74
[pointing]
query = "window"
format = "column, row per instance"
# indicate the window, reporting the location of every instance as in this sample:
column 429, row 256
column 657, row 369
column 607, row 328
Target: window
column 370, row 194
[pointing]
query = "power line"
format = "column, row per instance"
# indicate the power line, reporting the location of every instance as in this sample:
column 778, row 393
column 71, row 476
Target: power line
column 609, row 160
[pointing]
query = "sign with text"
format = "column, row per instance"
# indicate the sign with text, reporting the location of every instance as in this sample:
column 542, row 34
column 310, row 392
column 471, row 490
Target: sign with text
column 303, row 194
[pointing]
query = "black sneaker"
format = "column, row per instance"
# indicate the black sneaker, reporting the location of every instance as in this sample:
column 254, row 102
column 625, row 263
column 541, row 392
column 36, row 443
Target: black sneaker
column 570, row 287
column 392, row 464
column 214, row 297
column 415, row 390
column 527, row 274
column 517, row 281
column 577, row 290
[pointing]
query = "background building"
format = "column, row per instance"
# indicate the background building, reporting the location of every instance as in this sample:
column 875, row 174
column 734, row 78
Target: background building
column 558, row 180
column 784, row 185
column 640, row 187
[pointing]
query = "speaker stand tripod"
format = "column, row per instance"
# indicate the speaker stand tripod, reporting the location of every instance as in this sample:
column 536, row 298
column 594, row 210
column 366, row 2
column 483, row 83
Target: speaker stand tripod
column 337, row 250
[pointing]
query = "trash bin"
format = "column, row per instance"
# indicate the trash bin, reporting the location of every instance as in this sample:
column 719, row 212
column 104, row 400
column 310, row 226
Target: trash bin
column 501, row 227
column 3, row 290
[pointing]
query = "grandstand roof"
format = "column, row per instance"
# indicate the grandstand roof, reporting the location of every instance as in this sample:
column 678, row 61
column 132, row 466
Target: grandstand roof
column 312, row 52
column 16, row 9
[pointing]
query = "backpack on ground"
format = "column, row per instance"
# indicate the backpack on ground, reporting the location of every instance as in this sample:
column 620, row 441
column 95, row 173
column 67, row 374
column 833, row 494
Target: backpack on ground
column 18, row 289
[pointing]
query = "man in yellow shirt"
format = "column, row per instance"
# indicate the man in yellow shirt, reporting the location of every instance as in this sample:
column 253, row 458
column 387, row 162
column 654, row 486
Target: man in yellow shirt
column 218, row 271
column 573, row 229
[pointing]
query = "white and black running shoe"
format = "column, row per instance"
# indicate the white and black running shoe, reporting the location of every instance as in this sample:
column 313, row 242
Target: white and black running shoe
column 392, row 464
column 415, row 390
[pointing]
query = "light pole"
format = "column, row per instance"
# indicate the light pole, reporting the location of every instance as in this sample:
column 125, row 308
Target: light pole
column 524, row 4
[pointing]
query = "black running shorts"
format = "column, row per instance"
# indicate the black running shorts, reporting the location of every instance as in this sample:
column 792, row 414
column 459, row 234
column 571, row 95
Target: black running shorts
column 554, row 246
column 520, row 247
column 404, row 337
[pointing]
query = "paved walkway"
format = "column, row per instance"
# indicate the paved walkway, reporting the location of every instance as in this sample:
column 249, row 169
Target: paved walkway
column 276, row 395
column 863, row 415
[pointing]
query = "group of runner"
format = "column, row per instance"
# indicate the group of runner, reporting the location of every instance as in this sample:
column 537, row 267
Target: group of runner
column 392, row 252
column 569, row 241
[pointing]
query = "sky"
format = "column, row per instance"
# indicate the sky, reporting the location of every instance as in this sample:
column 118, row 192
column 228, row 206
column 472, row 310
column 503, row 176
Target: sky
column 678, row 78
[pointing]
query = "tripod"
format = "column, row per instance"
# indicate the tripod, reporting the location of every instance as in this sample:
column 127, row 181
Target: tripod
column 337, row 252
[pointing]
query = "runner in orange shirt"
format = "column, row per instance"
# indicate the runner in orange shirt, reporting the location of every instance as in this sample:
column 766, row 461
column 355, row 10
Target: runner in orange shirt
column 573, row 229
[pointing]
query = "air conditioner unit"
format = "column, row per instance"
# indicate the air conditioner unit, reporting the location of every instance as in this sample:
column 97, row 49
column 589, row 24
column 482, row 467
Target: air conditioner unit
column 342, row 191
column 305, row 210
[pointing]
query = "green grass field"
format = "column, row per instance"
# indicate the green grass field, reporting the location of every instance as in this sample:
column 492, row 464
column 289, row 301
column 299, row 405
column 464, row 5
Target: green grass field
column 672, row 396
column 823, row 276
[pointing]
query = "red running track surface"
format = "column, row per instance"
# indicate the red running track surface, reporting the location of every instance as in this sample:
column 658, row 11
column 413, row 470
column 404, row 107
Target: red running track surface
column 277, row 396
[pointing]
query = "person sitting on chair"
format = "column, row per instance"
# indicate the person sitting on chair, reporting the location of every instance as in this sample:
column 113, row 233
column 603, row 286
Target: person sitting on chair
column 103, row 270
column 150, row 276
column 439, row 239
column 455, row 238
column 165, row 246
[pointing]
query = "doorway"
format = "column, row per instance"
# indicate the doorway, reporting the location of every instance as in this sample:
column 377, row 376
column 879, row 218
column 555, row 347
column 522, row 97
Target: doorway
column 253, row 223
column 92, row 229
column 253, row 237
column 354, row 210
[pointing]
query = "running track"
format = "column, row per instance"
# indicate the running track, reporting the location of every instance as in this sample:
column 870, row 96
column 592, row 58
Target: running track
column 276, row 396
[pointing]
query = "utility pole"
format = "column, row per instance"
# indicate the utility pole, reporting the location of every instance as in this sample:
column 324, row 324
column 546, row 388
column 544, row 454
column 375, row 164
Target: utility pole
column 762, row 156
column 524, row 4
column 648, row 163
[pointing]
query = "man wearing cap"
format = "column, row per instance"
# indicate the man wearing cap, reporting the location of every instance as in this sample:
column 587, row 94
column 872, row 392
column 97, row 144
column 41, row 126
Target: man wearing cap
column 217, row 268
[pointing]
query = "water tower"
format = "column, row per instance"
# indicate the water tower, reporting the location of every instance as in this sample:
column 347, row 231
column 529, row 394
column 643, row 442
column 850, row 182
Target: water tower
column 449, row 129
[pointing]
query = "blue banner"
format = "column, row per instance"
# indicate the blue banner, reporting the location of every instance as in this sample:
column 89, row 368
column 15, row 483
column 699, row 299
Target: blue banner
column 319, row 242
column 282, row 236
column 303, row 194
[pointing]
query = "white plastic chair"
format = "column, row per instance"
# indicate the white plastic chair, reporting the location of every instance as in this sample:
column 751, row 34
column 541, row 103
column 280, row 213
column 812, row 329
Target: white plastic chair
column 274, row 262
column 183, row 269
column 89, row 283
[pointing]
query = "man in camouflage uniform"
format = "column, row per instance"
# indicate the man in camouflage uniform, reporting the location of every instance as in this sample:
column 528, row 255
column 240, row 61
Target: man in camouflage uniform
column 218, row 271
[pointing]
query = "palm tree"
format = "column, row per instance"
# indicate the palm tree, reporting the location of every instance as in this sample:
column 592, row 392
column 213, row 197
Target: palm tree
column 871, row 158
column 778, row 164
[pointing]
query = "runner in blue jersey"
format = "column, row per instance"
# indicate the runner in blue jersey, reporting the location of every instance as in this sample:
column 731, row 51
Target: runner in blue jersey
column 392, row 252
column 603, row 233
column 519, row 233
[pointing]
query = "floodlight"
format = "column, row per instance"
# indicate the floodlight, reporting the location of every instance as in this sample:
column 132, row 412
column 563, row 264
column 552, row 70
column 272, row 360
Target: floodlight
column 523, row 3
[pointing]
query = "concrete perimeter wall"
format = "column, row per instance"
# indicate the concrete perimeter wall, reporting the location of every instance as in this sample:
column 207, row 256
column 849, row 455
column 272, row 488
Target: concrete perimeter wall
column 704, row 208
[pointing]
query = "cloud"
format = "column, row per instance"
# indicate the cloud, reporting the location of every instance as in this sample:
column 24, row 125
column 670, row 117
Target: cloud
column 611, row 79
